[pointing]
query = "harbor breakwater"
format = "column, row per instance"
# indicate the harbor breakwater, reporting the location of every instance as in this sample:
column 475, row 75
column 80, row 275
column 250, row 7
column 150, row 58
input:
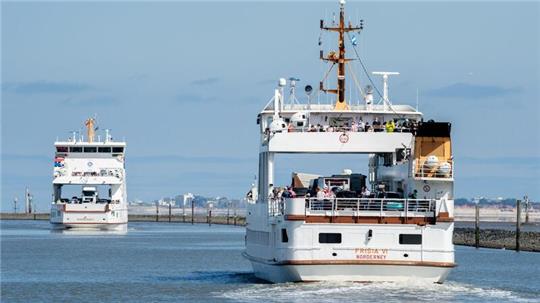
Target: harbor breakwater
column 489, row 238
column 239, row 220
column 498, row 238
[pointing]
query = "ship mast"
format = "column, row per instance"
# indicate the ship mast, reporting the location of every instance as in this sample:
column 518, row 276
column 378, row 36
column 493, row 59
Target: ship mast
column 339, row 58
column 90, row 129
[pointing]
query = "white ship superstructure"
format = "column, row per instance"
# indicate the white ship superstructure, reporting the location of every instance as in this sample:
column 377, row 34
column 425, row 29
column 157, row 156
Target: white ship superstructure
column 393, row 224
column 89, row 183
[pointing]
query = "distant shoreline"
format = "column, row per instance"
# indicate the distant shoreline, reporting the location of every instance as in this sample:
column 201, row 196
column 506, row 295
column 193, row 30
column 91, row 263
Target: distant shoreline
column 489, row 238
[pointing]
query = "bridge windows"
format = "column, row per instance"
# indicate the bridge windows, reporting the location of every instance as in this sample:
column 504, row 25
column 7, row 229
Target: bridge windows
column 104, row 149
column 117, row 149
column 75, row 149
column 90, row 149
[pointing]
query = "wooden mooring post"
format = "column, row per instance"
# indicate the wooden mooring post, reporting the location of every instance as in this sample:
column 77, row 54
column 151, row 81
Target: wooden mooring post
column 518, row 223
column 477, row 226
column 210, row 217
column 157, row 211
column 228, row 215
column 170, row 212
column 234, row 211
column 192, row 212
column 526, row 198
column 184, row 211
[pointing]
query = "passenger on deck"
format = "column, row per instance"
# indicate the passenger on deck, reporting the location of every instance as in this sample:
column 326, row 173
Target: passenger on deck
column 414, row 126
column 377, row 125
column 368, row 127
column 354, row 127
column 278, row 193
column 320, row 194
column 390, row 126
column 365, row 192
column 291, row 192
column 414, row 194
column 328, row 193
column 320, row 128
column 361, row 125
column 312, row 128
column 271, row 195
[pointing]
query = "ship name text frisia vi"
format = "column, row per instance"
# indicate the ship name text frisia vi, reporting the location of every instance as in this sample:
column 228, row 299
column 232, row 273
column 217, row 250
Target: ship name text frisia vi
column 89, row 182
column 393, row 224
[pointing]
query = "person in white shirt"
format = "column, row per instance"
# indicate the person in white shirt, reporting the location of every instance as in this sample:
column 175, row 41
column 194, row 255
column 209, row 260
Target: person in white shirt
column 361, row 125
column 320, row 194
column 365, row 192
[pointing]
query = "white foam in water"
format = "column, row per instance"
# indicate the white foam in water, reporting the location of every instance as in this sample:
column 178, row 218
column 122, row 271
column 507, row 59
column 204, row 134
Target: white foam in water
column 371, row 292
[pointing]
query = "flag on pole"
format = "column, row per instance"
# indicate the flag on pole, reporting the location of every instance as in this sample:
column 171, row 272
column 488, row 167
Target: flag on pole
column 353, row 40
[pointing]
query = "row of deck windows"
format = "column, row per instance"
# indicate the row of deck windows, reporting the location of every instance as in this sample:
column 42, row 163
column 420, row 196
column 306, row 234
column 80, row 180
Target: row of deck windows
column 89, row 149
column 335, row 238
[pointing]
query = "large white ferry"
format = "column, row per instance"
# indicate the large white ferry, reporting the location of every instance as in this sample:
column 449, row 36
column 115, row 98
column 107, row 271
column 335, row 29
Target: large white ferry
column 393, row 224
column 89, row 183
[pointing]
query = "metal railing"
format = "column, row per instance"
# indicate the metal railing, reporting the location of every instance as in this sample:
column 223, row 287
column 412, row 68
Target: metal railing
column 371, row 207
column 276, row 207
column 104, row 172
column 341, row 129
column 421, row 170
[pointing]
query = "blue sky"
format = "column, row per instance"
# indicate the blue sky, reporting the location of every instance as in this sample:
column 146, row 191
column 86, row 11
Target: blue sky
column 184, row 81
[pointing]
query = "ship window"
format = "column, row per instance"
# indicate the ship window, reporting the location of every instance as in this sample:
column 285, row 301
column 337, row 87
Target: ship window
column 388, row 159
column 75, row 149
column 329, row 238
column 90, row 149
column 410, row 239
column 104, row 149
column 118, row 149
column 62, row 149
column 284, row 237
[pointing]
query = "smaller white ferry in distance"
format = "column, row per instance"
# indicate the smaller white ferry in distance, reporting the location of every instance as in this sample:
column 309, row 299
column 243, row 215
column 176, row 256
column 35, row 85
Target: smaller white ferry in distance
column 393, row 224
column 89, row 182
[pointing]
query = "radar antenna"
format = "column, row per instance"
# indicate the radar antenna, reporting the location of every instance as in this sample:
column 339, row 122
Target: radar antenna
column 292, row 91
column 385, row 99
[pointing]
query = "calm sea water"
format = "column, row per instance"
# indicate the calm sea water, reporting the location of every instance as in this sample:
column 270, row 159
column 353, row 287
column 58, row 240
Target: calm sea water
column 161, row 262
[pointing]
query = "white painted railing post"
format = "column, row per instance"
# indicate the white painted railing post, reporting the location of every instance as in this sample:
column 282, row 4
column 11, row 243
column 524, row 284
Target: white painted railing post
column 406, row 209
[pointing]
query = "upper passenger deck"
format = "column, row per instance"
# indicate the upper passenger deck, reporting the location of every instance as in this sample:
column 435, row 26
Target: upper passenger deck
column 321, row 128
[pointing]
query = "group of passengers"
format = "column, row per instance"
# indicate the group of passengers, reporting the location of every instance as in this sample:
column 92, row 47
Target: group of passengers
column 390, row 126
column 278, row 193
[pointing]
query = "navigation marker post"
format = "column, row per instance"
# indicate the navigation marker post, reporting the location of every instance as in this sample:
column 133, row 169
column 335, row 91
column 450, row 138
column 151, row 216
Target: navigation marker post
column 192, row 211
column 477, row 226
column 518, row 223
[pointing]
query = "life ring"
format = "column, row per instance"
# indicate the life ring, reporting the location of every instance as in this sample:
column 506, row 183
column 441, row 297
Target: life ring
column 344, row 138
column 426, row 188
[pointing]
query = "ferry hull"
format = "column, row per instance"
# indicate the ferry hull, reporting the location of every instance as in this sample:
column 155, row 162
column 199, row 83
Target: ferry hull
column 90, row 226
column 280, row 273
